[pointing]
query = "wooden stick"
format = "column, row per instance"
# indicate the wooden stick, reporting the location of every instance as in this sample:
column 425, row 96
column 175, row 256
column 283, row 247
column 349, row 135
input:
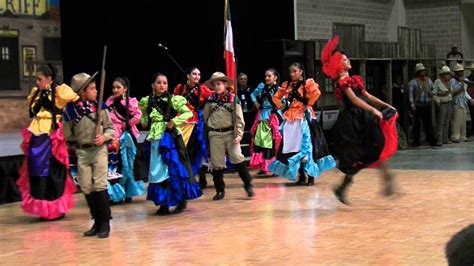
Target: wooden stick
column 98, row 130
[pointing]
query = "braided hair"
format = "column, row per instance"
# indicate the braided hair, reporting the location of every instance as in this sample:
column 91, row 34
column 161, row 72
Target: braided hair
column 49, row 70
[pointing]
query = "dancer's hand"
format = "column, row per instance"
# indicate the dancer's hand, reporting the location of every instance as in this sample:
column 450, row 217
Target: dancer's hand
column 99, row 140
column 170, row 125
column 257, row 105
column 377, row 114
column 237, row 140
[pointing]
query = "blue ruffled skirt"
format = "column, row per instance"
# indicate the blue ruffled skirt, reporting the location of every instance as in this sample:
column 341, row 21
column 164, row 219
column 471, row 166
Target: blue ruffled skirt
column 289, row 166
column 128, row 152
column 197, row 146
column 171, row 184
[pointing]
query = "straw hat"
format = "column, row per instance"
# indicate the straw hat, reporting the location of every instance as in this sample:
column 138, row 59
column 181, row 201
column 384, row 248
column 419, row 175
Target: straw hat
column 470, row 66
column 419, row 67
column 445, row 70
column 458, row 67
column 218, row 76
column 81, row 80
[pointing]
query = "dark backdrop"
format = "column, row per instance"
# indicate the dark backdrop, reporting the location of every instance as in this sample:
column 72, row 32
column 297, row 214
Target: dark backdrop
column 192, row 30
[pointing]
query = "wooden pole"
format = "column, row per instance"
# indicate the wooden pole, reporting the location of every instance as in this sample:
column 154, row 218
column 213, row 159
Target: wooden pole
column 98, row 129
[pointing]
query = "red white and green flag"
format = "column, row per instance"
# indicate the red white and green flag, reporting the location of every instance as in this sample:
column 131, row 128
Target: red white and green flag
column 229, row 55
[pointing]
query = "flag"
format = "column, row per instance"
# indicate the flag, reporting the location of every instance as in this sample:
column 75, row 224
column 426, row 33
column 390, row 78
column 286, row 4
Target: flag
column 229, row 45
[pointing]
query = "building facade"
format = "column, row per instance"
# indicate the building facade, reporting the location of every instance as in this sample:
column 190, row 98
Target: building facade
column 30, row 34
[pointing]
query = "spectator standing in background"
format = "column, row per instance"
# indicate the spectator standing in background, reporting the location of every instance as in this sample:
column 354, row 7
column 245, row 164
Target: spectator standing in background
column 454, row 57
column 443, row 95
column 461, row 101
column 470, row 90
column 244, row 91
column 420, row 95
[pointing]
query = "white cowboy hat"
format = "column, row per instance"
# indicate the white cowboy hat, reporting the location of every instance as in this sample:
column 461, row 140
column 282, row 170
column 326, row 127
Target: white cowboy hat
column 216, row 76
column 81, row 80
column 419, row 67
column 444, row 70
column 458, row 67
column 470, row 66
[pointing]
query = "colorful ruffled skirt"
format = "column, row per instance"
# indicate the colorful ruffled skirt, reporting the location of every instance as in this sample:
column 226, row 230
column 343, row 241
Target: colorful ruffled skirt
column 44, row 180
column 196, row 144
column 362, row 141
column 265, row 142
column 300, row 150
column 171, row 177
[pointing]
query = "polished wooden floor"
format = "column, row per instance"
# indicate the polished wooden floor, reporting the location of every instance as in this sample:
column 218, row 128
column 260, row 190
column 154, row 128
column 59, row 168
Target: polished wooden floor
column 281, row 225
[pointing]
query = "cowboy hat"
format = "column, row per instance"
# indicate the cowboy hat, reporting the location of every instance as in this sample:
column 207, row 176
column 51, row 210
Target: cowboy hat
column 81, row 80
column 470, row 66
column 444, row 70
column 458, row 67
column 218, row 76
column 419, row 67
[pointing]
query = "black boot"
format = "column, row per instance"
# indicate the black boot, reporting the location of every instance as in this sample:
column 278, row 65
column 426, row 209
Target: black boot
column 340, row 191
column 202, row 177
column 182, row 205
column 93, row 210
column 219, row 184
column 302, row 176
column 163, row 210
column 388, row 185
column 310, row 181
column 103, row 213
column 246, row 178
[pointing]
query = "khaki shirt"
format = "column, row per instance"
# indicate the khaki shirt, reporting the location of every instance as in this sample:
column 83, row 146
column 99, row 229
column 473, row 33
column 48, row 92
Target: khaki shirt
column 222, row 118
column 83, row 132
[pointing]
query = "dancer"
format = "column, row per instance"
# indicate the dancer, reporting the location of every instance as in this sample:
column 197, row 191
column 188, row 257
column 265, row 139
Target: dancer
column 170, row 176
column 91, row 150
column 225, row 123
column 193, row 129
column 266, row 137
column 125, row 115
column 44, row 181
column 297, row 154
column 365, row 136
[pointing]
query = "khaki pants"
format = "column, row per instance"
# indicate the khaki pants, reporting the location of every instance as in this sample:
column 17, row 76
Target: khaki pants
column 92, row 167
column 458, row 126
column 220, row 143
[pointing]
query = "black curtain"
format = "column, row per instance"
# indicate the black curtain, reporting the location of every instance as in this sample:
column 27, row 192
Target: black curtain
column 192, row 30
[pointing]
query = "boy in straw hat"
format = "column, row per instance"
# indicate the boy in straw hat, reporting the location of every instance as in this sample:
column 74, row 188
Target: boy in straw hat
column 420, row 93
column 461, row 100
column 91, row 151
column 225, row 124
column 443, row 95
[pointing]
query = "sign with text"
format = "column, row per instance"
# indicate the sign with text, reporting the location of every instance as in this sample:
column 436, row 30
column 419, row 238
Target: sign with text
column 35, row 8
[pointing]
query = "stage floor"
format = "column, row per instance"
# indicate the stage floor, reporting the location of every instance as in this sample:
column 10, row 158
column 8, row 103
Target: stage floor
column 282, row 224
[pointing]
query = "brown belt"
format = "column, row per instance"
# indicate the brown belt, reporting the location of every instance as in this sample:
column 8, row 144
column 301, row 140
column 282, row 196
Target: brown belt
column 222, row 130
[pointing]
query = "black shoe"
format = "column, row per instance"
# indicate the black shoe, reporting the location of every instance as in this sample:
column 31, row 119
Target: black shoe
column 388, row 186
column 219, row 195
column 163, row 210
column 246, row 178
column 128, row 200
column 249, row 190
column 182, row 206
column 202, row 177
column 261, row 172
column 302, row 177
column 340, row 191
column 310, row 181
column 93, row 231
column 104, row 229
